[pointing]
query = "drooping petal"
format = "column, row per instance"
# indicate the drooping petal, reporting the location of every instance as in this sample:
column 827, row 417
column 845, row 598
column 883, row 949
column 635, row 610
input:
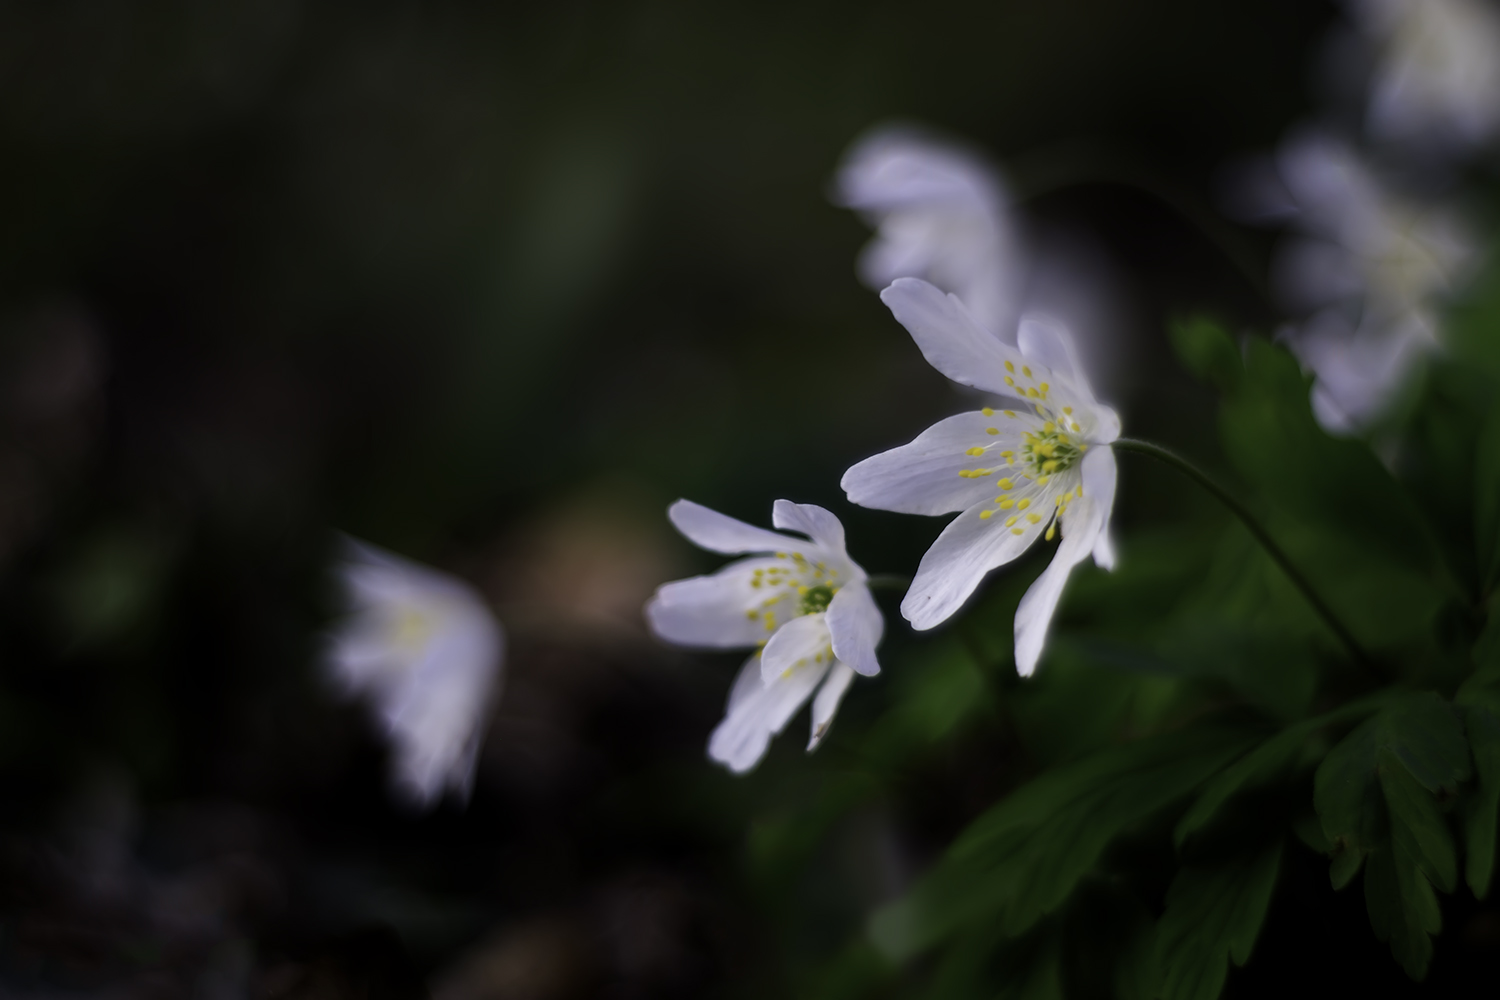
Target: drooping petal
column 1034, row 614
column 934, row 474
column 827, row 702
column 758, row 711
column 1099, row 474
column 951, row 340
column 817, row 523
column 800, row 641
column 721, row 611
column 721, row 533
column 855, row 626
column 968, row 548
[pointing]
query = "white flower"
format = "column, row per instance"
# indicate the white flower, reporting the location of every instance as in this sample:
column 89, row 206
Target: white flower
column 424, row 648
column 1438, row 75
column 1016, row 474
column 940, row 213
column 1369, row 271
column 804, row 604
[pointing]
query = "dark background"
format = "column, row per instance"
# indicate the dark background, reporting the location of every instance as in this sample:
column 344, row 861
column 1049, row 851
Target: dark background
column 490, row 285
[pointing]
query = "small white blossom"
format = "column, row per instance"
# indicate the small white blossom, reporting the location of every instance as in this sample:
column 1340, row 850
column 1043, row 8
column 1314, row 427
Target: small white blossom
column 940, row 213
column 1368, row 271
column 1437, row 78
column 423, row 647
column 804, row 604
column 1016, row 474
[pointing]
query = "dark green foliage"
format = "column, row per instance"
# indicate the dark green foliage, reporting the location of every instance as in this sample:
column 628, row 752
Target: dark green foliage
column 1213, row 915
column 1377, row 794
column 1022, row 858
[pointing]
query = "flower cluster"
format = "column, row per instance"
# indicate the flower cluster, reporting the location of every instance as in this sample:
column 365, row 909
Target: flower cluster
column 1034, row 466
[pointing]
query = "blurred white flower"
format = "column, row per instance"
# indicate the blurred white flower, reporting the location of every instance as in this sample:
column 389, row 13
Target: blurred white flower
column 1368, row 272
column 423, row 647
column 1017, row 474
column 805, row 605
column 940, row 213
column 1437, row 79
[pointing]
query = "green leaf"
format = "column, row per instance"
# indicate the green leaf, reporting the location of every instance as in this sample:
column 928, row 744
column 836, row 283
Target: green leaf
column 1271, row 762
column 1022, row 858
column 1374, row 794
column 1213, row 915
column 1418, row 829
column 1482, row 721
column 1208, row 352
column 1403, row 909
column 1419, row 730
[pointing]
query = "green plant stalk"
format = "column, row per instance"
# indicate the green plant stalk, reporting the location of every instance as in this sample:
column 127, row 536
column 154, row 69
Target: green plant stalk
column 1262, row 536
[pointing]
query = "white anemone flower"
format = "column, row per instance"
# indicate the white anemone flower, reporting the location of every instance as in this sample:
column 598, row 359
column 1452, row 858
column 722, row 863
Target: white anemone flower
column 423, row 647
column 1017, row 475
column 1437, row 78
column 940, row 213
column 1369, row 271
column 804, row 604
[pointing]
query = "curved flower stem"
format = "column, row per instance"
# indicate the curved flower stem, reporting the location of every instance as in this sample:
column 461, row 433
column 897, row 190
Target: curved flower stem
column 888, row 581
column 1262, row 536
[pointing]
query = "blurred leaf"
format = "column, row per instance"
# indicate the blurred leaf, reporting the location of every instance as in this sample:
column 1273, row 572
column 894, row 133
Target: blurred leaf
column 1213, row 915
column 1336, row 508
column 1023, row 857
column 1207, row 351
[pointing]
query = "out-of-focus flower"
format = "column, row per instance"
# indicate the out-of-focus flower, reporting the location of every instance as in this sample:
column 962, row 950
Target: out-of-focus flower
column 1368, row 272
column 940, row 213
column 1437, row 79
column 424, row 649
column 1017, row 475
column 806, row 606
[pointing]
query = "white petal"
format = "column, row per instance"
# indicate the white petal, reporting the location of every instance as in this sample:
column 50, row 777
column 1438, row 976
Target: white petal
column 799, row 642
column 827, row 702
column 923, row 477
column 855, row 626
column 1034, row 614
column 721, row 533
column 818, row 524
column 967, row 549
column 714, row 611
column 1046, row 340
column 1099, row 476
column 759, row 711
column 951, row 340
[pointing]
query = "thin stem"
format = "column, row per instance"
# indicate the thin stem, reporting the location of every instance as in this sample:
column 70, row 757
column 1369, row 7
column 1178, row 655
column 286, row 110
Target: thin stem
column 888, row 581
column 1275, row 551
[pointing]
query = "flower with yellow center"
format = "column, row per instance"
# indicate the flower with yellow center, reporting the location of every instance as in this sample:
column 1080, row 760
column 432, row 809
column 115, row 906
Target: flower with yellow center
column 423, row 647
column 1020, row 474
column 803, row 603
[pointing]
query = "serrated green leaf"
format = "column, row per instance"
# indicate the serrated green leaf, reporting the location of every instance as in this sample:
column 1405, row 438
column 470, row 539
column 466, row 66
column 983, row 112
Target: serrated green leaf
column 1419, row 730
column 1267, row 764
column 1022, row 858
column 1345, row 866
column 1213, row 915
column 1403, row 909
column 1482, row 722
column 1418, row 829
